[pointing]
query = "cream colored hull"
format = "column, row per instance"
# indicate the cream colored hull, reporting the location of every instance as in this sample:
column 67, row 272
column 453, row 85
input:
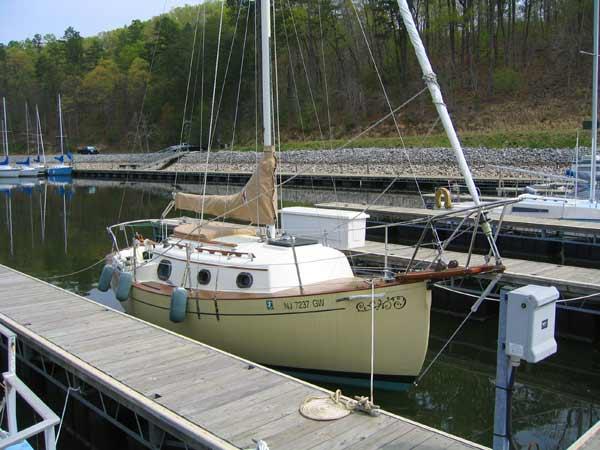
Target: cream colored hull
column 316, row 332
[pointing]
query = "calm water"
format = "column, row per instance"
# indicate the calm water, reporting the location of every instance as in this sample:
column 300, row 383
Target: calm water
column 52, row 229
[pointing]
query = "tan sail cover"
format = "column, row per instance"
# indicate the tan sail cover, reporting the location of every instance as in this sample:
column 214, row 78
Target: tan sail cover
column 256, row 203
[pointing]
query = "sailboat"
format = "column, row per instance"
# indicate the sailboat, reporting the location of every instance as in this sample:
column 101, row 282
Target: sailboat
column 278, row 299
column 61, row 169
column 27, row 168
column 6, row 170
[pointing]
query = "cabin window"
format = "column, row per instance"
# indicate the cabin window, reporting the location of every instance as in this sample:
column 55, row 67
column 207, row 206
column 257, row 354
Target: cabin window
column 204, row 276
column 164, row 270
column 244, row 280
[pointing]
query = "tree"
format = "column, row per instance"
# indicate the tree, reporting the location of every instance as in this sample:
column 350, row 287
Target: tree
column 73, row 48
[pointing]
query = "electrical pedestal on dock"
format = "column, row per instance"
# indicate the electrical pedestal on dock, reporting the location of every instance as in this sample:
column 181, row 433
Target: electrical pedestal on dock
column 526, row 325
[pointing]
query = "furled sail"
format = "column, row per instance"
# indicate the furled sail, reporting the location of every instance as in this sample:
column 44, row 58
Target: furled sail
column 256, row 203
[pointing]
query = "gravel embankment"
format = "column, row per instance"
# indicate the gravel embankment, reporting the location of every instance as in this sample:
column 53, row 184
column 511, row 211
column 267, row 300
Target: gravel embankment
column 375, row 161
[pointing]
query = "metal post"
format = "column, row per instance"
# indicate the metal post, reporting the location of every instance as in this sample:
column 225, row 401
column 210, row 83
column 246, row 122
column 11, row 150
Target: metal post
column 385, row 261
column 594, row 107
column 501, row 441
column 50, row 438
column 296, row 264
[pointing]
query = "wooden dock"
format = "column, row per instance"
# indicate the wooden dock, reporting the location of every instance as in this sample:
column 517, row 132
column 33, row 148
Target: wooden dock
column 398, row 213
column 203, row 396
column 589, row 441
column 336, row 179
column 567, row 279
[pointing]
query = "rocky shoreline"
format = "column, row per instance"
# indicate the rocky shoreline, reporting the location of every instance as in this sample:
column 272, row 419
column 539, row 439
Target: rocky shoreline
column 375, row 161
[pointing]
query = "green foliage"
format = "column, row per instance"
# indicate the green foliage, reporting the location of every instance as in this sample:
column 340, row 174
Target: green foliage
column 507, row 81
column 134, row 79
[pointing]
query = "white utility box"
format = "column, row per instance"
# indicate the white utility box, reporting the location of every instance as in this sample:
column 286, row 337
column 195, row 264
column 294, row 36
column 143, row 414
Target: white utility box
column 531, row 312
column 331, row 227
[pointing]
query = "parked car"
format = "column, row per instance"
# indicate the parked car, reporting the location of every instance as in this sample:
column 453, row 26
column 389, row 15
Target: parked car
column 88, row 150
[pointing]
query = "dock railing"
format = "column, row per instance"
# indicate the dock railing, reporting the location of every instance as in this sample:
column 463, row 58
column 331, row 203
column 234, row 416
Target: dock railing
column 13, row 386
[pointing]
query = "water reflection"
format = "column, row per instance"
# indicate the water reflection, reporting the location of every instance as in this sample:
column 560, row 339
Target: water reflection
column 57, row 227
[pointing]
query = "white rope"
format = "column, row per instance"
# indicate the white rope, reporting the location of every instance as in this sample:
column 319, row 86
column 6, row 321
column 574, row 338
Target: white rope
column 78, row 271
column 212, row 107
column 62, row 416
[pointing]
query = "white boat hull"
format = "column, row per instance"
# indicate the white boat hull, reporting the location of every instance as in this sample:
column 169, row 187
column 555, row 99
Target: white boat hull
column 31, row 171
column 9, row 171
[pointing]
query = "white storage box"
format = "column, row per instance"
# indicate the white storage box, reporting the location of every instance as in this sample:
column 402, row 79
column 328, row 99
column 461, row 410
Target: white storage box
column 332, row 227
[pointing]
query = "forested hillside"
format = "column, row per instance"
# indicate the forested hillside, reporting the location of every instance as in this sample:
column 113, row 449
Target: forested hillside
column 504, row 65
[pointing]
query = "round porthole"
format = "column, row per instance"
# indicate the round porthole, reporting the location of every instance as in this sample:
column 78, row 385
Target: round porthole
column 164, row 270
column 204, row 276
column 244, row 280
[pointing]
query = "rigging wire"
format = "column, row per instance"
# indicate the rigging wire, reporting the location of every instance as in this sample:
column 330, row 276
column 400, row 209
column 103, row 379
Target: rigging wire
column 237, row 19
column 237, row 98
column 141, row 115
column 277, row 123
column 187, row 92
column 310, row 91
column 325, row 75
column 212, row 109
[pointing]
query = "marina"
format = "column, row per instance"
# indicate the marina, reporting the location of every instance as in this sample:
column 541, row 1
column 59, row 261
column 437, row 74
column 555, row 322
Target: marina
column 231, row 291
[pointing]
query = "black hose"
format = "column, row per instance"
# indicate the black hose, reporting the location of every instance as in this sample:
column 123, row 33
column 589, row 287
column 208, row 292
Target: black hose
column 509, row 394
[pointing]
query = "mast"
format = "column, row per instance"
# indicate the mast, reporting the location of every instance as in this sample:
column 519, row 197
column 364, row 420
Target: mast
column 436, row 95
column 60, row 126
column 39, row 130
column 594, row 108
column 5, row 137
column 265, row 29
column 27, row 127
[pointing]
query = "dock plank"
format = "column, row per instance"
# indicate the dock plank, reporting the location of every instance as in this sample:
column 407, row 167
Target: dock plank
column 191, row 389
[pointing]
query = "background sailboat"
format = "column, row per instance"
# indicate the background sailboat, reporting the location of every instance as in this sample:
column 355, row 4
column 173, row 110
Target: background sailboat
column 61, row 169
column 6, row 170
column 27, row 168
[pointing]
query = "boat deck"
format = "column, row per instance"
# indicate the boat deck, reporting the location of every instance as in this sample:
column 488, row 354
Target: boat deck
column 568, row 279
column 203, row 396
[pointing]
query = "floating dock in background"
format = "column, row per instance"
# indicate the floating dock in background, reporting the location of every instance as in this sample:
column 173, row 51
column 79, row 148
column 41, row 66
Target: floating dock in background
column 567, row 279
column 332, row 180
column 397, row 213
column 177, row 389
